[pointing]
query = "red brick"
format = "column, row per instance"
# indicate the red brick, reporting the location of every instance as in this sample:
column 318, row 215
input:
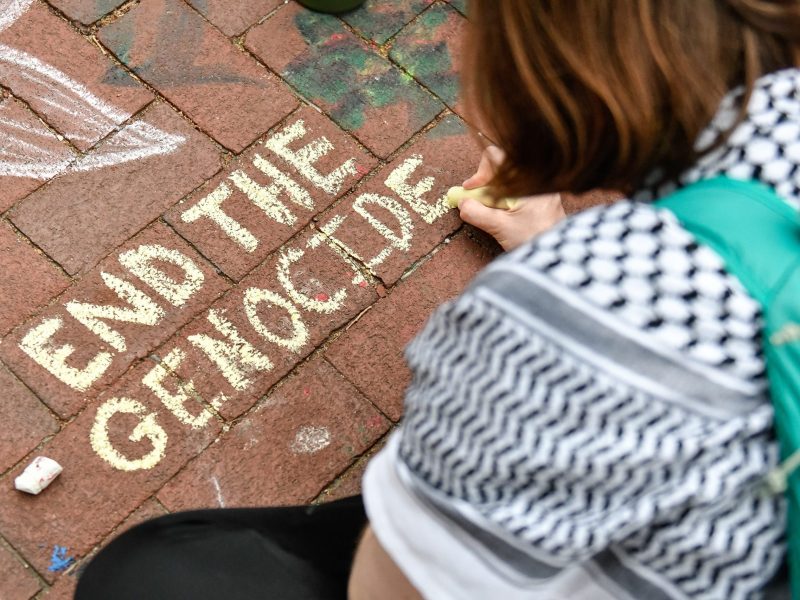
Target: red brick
column 430, row 50
column 18, row 581
column 64, row 587
column 448, row 155
column 86, row 11
column 42, row 42
column 31, row 154
column 573, row 204
column 264, row 233
column 24, row 420
column 81, row 216
column 370, row 353
column 321, row 274
column 357, row 87
column 461, row 5
column 91, row 497
column 302, row 435
column 139, row 339
column 218, row 86
column 349, row 483
column 379, row 20
column 232, row 18
column 27, row 279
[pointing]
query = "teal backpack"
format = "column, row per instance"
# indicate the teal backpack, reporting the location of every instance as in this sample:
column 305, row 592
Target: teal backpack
column 758, row 237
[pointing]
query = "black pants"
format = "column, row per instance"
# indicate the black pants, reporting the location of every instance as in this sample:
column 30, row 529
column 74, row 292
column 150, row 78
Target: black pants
column 281, row 553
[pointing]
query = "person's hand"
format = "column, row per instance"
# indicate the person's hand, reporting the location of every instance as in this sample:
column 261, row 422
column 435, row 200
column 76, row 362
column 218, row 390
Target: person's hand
column 511, row 228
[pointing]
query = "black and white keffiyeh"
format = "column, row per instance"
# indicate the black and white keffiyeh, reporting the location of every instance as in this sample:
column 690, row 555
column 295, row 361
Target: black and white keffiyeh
column 598, row 397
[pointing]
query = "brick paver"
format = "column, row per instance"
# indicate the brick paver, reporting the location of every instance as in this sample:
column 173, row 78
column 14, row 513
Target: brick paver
column 22, row 130
column 24, row 420
column 232, row 18
column 222, row 89
column 27, row 277
column 262, row 199
column 65, row 78
column 429, row 49
column 378, row 21
column 132, row 302
column 370, row 353
column 86, row 11
column 81, row 216
column 18, row 582
column 302, row 436
column 399, row 215
column 357, row 87
column 220, row 223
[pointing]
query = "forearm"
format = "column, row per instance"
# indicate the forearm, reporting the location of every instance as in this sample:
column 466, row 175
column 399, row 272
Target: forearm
column 375, row 576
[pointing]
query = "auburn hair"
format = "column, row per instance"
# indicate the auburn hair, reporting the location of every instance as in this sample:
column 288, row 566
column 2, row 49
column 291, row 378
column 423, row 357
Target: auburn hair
column 586, row 94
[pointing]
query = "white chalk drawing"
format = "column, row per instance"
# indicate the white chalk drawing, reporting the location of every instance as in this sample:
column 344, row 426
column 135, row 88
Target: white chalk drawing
column 147, row 427
column 255, row 296
column 220, row 499
column 310, row 439
column 211, row 207
column 235, row 357
column 11, row 10
column 175, row 401
column 38, row 345
column 328, row 304
column 267, row 198
column 89, row 118
column 397, row 181
column 140, row 263
column 237, row 351
column 303, row 159
column 143, row 312
column 401, row 241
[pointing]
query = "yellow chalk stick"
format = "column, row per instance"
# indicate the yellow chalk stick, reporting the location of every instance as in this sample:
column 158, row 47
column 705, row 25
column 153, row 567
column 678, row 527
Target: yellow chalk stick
column 458, row 193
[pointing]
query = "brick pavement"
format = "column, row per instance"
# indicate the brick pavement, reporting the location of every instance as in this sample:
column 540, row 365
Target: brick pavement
column 221, row 223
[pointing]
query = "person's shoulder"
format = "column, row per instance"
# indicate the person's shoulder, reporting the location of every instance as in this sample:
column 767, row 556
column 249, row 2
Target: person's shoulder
column 632, row 265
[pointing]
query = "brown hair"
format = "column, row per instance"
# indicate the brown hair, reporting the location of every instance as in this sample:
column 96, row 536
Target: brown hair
column 585, row 94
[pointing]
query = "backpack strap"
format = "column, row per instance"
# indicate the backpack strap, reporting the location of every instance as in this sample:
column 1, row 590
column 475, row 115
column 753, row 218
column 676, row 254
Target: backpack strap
column 755, row 232
column 758, row 237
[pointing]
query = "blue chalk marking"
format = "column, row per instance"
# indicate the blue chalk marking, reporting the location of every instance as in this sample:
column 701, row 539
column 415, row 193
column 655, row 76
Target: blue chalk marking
column 59, row 559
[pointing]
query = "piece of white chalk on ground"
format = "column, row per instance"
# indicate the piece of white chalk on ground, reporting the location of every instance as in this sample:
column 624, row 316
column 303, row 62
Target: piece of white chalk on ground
column 38, row 475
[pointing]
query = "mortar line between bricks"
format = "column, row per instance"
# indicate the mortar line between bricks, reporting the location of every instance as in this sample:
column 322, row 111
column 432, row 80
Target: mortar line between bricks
column 363, row 457
column 114, row 15
column 21, row 557
column 35, row 450
column 233, row 39
column 110, row 54
column 350, row 134
column 228, row 425
column 4, row 218
column 59, row 135
column 80, row 154
column 60, row 420
column 360, row 391
column 390, row 42
column 39, row 445
column 266, row 17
